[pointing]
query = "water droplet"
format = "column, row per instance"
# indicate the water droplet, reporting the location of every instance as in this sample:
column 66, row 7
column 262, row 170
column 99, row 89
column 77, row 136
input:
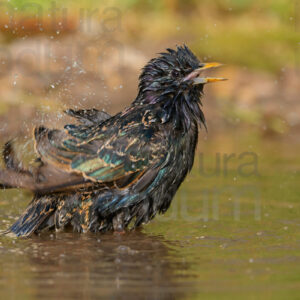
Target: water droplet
column 117, row 260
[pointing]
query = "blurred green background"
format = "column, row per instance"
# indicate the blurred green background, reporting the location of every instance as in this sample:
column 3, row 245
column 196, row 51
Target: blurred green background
column 258, row 41
column 258, row 34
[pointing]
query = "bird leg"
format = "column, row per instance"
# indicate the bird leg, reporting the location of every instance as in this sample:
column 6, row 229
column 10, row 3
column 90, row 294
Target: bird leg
column 118, row 222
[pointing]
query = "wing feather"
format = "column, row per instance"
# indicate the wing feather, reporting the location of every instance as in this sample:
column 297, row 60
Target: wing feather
column 117, row 150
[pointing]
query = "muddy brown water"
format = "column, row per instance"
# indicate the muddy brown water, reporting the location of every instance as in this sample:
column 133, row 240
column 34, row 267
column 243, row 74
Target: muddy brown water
column 231, row 232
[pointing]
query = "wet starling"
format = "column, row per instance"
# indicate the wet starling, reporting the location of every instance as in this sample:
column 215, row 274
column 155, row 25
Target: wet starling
column 107, row 172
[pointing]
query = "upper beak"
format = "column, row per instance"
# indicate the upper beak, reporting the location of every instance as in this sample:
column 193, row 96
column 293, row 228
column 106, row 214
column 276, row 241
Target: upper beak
column 195, row 75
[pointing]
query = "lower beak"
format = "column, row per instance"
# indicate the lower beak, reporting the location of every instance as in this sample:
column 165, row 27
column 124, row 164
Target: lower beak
column 194, row 76
column 202, row 80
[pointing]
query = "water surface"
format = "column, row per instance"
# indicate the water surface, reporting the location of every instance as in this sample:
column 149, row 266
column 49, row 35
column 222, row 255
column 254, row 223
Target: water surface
column 231, row 232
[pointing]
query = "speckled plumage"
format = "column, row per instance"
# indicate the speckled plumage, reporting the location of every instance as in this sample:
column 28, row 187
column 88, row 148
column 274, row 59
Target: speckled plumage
column 105, row 172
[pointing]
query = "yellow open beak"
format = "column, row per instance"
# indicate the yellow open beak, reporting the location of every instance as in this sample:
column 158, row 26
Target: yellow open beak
column 195, row 75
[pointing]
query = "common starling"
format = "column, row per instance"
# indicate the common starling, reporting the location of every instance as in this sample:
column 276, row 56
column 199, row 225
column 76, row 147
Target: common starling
column 108, row 172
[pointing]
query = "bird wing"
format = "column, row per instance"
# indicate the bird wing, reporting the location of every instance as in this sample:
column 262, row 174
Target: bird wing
column 123, row 150
column 112, row 153
column 88, row 117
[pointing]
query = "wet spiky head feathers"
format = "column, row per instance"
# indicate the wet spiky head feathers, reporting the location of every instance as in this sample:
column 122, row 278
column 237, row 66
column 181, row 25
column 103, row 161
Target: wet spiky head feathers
column 161, row 81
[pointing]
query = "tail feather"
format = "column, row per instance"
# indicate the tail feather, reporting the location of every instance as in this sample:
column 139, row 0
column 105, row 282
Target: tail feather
column 42, row 179
column 38, row 212
column 10, row 160
column 9, row 157
column 13, row 167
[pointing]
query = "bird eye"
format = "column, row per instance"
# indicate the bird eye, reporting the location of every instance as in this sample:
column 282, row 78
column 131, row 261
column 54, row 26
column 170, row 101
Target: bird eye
column 175, row 73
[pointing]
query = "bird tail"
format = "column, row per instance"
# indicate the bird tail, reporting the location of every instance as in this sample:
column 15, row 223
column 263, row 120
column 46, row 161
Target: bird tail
column 37, row 216
column 41, row 207
column 10, row 176
column 41, row 179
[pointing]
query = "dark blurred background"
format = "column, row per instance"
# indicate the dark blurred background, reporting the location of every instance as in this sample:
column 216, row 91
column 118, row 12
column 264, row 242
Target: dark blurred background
column 85, row 54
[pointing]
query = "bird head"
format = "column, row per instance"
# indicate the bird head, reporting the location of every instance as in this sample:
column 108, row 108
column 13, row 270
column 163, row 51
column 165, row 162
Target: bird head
column 172, row 74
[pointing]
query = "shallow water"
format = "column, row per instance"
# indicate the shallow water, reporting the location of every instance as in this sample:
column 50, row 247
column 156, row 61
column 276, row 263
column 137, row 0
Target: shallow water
column 232, row 232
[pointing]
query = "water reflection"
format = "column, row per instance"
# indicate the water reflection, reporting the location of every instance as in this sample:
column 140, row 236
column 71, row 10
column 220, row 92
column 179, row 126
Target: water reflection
column 71, row 266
